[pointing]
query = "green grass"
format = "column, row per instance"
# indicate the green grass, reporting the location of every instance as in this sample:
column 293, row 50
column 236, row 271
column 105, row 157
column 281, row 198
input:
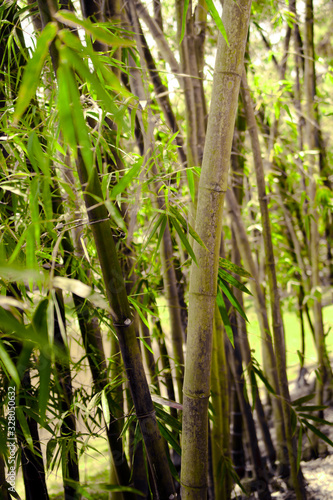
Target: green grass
column 293, row 339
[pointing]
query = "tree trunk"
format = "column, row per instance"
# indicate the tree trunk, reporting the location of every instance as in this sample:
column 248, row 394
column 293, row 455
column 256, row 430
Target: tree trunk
column 203, row 283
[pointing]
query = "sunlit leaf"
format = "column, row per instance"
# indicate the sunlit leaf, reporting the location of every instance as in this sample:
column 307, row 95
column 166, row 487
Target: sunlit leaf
column 184, row 239
column 102, row 34
column 217, row 19
column 230, row 266
column 33, row 69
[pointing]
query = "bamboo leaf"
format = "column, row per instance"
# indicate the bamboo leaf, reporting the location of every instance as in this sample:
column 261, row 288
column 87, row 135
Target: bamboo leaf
column 233, row 281
column 186, row 225
column 183, row 239
column 318, row 433
column 156, row 225
column 185, row 9
column 24, row 426
column 303, row 399
column 263, row 379
column 137, row 307
column 169, row 437
column 217, row 19
column 224, row 316
column 127, row 178
column 226, row 290
column 311, row 408
column 229, row 266
column 100, row 33
column 190, row 182
column 33, row 70
column 105, row 408
column 315, row 419
column 9, row 365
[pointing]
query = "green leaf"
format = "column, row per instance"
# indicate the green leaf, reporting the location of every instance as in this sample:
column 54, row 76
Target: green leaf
column 226, row 290
column 64, row 109
column 78, row 120
column 100, row 33
column 318, row 433
column 183, row 239
column 24, row 426
column 156, row 225
column 137, row 307
column 229, row 266
column 224, row 315
column 303, row 399
column 33, row 70
column 166, row 417
column 263, row 379
column 174, row 212
column 86, row 75
column 110, row 79
column 217, row 19
column 315, row 419
column 127, row 178
column 311, row 408
column 50, row 448
column 105, row 407
column 185, row 9
column 147, row 346
column 233, row 281
column 9, row 365
column 169, row 437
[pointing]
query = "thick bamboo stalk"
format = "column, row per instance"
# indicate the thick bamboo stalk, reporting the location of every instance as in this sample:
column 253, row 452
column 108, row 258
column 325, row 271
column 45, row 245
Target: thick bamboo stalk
column 203, row 283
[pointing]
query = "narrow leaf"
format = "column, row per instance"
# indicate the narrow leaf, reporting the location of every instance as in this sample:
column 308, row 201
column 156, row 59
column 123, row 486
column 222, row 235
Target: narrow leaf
column 224, row 287
column 127, row 178
column 33, row 70
column 185, row 9
column 264, row 380
column 169, row 437
column 217, row 19
column 233, row 281
column 184, row 240
column 224, row 316
column 8, row 364
column 318, row 433
column 229, row 266
column 303, row 399
column 105, row 408
column 102, row 34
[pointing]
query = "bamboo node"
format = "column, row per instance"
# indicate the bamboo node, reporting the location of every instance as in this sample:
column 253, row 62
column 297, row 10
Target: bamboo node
column 127, row 322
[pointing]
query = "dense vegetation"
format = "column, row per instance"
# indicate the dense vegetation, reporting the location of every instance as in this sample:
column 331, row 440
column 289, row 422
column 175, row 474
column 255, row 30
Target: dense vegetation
column 166, row 175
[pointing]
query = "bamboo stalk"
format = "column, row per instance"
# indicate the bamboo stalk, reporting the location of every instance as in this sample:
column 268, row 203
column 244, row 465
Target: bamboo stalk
column 203, row 283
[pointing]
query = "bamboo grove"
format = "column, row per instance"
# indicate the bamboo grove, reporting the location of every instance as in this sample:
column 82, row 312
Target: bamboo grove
column 165, row 173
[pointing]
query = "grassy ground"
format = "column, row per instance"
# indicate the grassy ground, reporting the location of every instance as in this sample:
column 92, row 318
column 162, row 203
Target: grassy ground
column 293, row 339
